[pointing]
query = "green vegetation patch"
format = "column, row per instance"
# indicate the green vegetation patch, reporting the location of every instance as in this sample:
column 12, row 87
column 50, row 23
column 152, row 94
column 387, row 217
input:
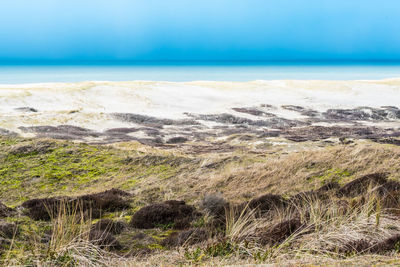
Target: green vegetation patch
column 63, row 166
column 332, row 175
column 42, row 168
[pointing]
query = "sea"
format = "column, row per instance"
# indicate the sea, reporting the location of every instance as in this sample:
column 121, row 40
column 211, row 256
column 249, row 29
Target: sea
column 43, row 72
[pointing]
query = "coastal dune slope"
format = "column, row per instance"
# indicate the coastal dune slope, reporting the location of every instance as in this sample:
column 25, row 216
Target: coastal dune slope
column 200, row 173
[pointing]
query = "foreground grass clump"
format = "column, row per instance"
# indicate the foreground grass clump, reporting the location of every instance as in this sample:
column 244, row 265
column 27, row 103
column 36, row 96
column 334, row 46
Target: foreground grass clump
column 65, row 241
column 326, row 232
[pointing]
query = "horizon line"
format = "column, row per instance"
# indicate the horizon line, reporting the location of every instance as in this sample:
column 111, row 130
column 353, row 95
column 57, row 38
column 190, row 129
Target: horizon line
column 188, row 62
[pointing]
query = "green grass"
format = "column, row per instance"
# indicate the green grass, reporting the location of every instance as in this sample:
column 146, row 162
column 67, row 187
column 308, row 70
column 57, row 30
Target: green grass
column 64, row 167
column 72, row 168
column 332, row 175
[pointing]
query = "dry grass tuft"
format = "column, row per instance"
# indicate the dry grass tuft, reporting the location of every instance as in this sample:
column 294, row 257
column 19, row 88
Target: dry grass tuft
column 68, row 242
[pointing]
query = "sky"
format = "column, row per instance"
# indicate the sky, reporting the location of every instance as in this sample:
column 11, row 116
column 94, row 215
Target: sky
column 199, row 30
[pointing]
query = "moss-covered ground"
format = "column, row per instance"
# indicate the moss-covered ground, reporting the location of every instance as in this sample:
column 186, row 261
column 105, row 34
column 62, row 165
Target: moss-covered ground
column 42, row 168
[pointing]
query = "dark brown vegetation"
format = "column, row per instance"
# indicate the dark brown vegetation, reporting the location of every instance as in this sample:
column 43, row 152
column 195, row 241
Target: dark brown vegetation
column 103, row 239
column 92, row 205
column 361, row 185
column 391, row 243
column 321, row 193
column 215, row 205
column 109, row 226
column 355, row 246
column 260, row 122
column 186, row 237
column 388, row 244
column 279, row 232
column 6, row 211
column 8, row 230
column 266, row 203
column 172, row 212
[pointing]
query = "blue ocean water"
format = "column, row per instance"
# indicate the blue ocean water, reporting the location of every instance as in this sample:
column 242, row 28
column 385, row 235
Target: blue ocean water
column 177, row 72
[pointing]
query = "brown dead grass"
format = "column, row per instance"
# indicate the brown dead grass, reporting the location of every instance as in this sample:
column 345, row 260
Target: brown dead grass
column 244, row 176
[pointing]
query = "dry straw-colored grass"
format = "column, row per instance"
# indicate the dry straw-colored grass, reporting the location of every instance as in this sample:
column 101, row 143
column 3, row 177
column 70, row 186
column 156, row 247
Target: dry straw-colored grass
column 68, row 244
column 327, row 228
column 243, row 176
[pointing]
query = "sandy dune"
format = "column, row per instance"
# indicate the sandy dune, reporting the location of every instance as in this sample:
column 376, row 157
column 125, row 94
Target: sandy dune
column 93, row 105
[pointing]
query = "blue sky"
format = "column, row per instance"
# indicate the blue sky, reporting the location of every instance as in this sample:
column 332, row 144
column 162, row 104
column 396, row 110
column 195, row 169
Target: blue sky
column 199, row 30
